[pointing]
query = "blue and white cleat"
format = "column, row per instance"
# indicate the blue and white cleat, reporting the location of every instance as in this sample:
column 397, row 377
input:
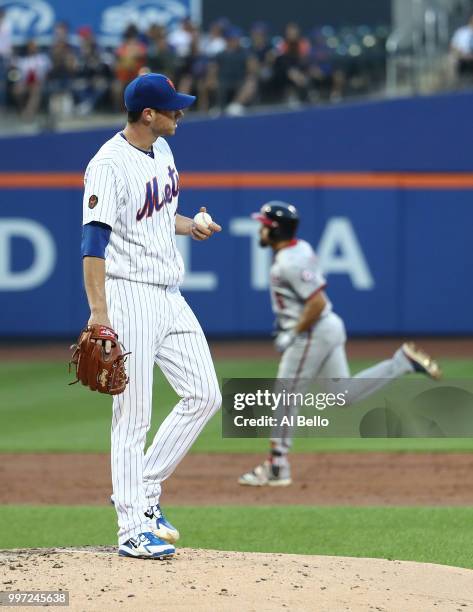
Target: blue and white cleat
column 162, row 527
column 146, row 546
column 421, row 361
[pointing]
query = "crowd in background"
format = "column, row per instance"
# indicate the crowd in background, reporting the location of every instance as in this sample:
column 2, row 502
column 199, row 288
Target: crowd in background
column 228, row 69
column 462, row 50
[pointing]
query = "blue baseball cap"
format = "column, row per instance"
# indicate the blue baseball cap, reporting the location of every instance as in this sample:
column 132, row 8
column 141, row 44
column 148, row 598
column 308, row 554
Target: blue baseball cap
column 155, row 91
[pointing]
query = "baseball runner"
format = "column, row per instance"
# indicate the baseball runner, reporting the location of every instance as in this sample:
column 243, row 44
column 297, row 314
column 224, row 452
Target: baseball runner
column 132, row 273
column 311, row 337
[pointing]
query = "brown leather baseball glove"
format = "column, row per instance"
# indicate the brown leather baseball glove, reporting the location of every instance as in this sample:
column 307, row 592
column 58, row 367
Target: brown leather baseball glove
column 96, row 369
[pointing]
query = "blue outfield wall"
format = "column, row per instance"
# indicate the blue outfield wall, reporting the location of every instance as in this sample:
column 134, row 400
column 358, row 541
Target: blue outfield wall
column 430, row 134
column 397, row 258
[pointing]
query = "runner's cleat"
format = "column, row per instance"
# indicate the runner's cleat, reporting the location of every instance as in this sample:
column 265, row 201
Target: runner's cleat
column 421, row 361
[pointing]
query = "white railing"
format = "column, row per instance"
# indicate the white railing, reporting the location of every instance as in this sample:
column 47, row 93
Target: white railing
column 417, row 53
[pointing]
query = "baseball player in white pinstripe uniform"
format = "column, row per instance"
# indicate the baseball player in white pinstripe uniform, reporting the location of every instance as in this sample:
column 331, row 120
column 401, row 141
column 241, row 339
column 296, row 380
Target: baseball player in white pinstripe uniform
column 132, row 273
column 311, row 337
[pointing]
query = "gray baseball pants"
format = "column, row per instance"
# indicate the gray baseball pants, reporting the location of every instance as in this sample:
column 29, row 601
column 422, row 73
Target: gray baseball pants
column 321, row 354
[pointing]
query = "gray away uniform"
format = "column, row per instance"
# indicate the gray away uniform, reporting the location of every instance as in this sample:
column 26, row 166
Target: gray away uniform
column 319, row 352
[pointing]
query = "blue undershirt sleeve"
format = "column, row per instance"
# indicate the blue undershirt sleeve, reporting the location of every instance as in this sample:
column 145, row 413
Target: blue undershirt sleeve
column 95, row 238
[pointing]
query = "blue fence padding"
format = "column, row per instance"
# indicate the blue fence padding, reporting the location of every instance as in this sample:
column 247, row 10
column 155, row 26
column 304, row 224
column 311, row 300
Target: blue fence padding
column 437, row 290
column 414, row 249
column 413, row 245
column 431, row 134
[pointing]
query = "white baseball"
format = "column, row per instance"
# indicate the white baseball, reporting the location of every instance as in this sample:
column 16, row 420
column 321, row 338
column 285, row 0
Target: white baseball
column 203, row 218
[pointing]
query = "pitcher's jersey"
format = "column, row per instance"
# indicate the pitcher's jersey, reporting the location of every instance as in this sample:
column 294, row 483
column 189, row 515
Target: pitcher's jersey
column 137, row 196
column 295, row 277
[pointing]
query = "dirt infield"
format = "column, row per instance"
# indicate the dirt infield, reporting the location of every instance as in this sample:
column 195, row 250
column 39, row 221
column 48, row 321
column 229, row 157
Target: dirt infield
column 98, row 580
column 210, row 479
column 366, row 348
column 202, row 580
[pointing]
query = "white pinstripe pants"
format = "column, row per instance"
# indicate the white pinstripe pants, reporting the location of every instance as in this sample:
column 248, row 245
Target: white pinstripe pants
column 157, row 325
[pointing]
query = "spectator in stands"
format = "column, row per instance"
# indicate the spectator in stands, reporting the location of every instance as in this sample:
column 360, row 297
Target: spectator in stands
column 294, row 41
column 260, row 45
column 326, row 81
column 462, row 49
column 32, row 69
column 259, row 71
column 161, row 57
column 226, row 70
column 227, row 73
column 5, row 55
column 93, row 74
column 130, row 57
column 62, row 72
column 214, row 41
column 192, row 72
column 61, row 33
column 180, row 38
column 291, row 66
column 261, row 63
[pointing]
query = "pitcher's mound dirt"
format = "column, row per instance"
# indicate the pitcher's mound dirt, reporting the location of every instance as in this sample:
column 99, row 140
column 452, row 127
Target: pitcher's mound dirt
column 97, row 579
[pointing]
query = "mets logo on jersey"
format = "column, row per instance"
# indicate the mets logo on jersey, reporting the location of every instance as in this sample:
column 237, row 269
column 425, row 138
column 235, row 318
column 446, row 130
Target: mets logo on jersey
column 93, row 201
column 152, row 201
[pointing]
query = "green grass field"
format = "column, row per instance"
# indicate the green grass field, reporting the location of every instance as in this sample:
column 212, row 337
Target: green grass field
column 434, row 535
column 40, row 412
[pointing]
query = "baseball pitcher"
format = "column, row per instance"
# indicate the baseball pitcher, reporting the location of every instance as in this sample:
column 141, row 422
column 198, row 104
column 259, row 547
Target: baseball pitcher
column 132, row 274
